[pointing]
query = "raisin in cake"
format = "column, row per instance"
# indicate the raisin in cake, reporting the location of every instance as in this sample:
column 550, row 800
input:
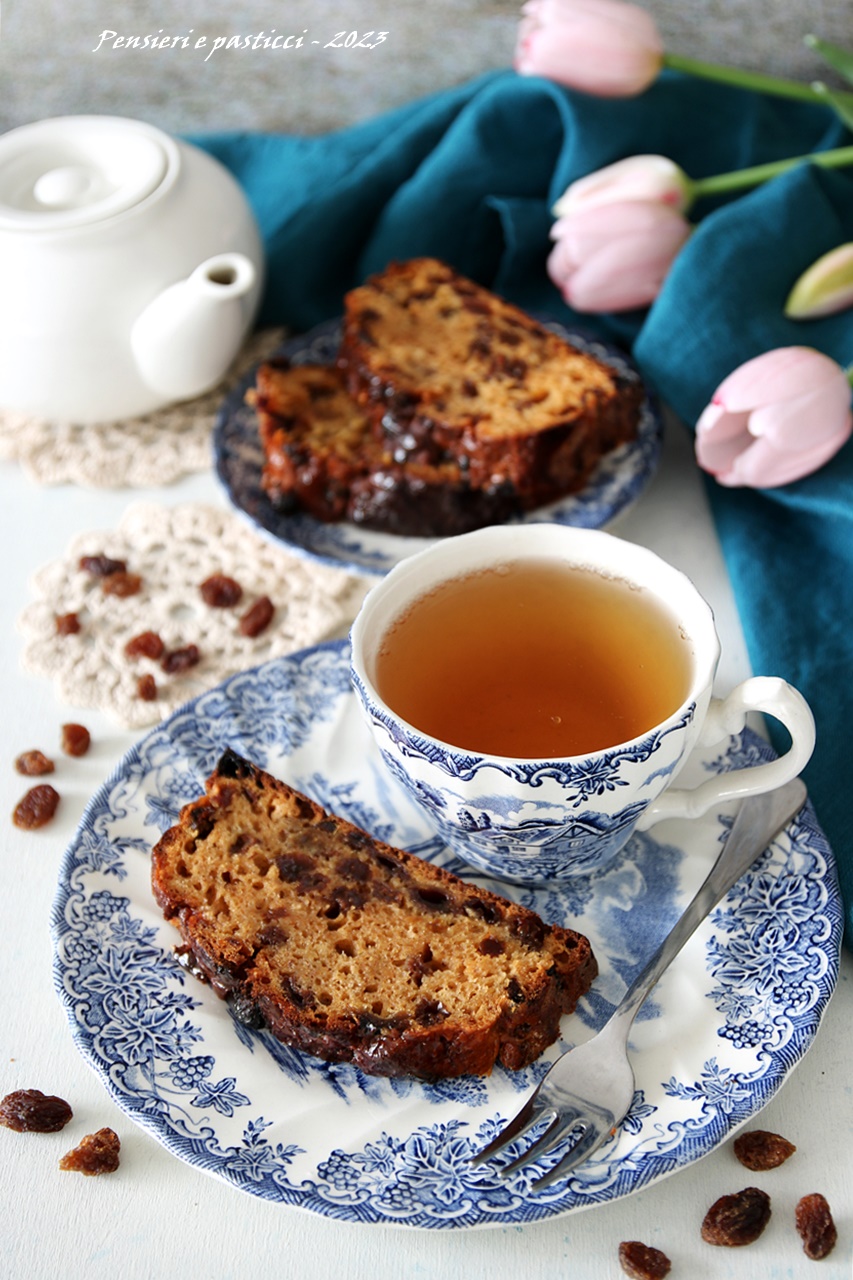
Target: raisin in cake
column 321, row 457
column 441, row 363
column 352, row 950
column 313, row 435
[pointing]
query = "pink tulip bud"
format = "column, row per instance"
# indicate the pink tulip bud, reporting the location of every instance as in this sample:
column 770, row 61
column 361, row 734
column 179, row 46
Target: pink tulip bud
column 604, row 47
column 653, row 178
column 615, row 257
column 826, row 287
column 775, row 419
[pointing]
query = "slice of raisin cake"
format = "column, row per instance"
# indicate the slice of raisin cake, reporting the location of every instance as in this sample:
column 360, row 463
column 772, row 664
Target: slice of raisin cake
column 442, row 363
column 352, row 950
column 321, row 456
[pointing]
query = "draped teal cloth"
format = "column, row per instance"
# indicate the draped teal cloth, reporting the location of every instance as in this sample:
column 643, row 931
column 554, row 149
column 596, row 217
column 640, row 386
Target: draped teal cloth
column 470, row 174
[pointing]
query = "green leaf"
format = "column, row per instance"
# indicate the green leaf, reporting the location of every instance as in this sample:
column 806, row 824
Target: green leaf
column 833, row 55
column 841, row 103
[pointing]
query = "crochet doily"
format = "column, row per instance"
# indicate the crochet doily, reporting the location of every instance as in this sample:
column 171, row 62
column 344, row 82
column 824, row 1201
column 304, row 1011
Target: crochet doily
column 174, row 550
column 155, row 449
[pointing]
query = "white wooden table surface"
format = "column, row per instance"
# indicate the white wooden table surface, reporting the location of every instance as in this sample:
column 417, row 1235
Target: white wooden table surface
column 158, row 1217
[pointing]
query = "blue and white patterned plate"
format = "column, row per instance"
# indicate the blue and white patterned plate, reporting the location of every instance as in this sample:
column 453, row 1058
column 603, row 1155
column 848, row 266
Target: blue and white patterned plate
column 715, row 1040
column 616, row 483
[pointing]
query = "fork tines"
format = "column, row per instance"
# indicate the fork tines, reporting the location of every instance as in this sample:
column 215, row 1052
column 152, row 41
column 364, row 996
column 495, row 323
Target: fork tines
column 560, row 1127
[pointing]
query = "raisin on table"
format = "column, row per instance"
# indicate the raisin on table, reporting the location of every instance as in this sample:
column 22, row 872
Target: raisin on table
column 220, row 592
column 31, row 1111
column 257, row 618
column 178, row 660
column 148, row 644
column 121, row 584
column 759, row 1150
column 67, row 624
column 643, row 1261
column 36, row 808
column 97, row 1153
column 815, row 1224
column 101, row 566
column 146, row 688
column 34, row 764
column 75, row 739
column 737, row 1219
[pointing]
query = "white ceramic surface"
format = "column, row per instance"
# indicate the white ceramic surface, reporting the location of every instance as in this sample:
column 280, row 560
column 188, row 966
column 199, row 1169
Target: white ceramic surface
column 131, row 266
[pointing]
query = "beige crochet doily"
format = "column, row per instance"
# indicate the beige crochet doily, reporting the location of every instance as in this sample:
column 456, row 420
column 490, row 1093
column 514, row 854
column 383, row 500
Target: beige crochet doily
column 174, row 550
column 152, row 450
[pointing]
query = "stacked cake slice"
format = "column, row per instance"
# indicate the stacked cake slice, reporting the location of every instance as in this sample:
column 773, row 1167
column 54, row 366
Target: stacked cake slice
column 448, row 409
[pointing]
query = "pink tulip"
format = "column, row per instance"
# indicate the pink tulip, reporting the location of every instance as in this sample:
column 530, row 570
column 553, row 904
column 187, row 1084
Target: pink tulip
column 775, row 419
column 604, row 47
column 615, row 257
column 653, row 178
column 827, row 286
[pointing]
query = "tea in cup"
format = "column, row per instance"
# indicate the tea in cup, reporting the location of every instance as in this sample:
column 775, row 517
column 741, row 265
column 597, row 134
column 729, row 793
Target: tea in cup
column 536, row 689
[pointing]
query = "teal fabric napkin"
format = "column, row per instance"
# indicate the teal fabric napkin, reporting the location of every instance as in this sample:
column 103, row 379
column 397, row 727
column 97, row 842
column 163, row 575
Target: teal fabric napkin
column 470, row 175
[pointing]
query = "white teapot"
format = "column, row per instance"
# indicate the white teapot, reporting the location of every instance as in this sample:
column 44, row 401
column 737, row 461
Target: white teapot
column 130, row 269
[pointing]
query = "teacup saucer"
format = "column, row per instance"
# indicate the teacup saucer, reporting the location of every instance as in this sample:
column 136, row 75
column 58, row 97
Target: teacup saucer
column 740, row 1006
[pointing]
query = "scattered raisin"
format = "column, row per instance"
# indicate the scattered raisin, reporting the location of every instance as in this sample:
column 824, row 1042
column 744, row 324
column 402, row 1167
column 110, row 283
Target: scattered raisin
column 146, row 688
column 220, row 591
column 75, row 739
column 257, row 618
column 737, row 1219
column 121, row 584
column 813, row 1217
column 642, row 1261
column 34, row 764
column 97, row 1153
column 177, row 660
column 67, row 624
column 31, row 1111
column 147, row 644
column 101, row 566
column 760, row 1150
column 36, row 808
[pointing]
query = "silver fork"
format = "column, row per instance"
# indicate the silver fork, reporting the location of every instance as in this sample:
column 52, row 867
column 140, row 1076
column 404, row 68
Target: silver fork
column 587, row 1091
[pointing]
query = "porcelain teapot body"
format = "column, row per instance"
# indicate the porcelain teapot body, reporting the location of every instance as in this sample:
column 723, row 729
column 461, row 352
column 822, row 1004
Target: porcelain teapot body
column 131, row 264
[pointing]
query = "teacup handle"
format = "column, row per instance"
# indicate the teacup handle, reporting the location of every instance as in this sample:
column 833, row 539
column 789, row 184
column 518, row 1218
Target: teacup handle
column 727, row 716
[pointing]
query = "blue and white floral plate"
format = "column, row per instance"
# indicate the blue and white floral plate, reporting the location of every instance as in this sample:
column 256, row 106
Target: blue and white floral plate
column 616, row 483
column 714, row 1042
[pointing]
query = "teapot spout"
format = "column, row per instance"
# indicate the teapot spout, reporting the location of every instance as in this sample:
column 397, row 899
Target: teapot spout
column 185, row 339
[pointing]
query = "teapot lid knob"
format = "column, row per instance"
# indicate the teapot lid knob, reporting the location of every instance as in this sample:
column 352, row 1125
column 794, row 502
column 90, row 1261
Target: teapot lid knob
column 66, row 187
column 77, row 170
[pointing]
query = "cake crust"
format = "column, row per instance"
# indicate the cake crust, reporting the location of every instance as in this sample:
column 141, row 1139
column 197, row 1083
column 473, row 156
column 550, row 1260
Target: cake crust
column 352, row 950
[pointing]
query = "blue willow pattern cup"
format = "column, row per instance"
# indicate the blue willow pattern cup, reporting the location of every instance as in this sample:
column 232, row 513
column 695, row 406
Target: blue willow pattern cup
column 534, row 821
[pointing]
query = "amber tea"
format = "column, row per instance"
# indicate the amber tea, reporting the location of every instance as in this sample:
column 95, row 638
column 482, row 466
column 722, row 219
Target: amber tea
column 534, row 659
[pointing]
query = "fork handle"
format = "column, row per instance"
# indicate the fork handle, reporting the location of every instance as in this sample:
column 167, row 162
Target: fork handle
column 759, row 819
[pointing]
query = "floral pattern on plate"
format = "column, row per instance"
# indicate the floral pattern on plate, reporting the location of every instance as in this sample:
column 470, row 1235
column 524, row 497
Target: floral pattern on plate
column 742, row 1003
column 617, row 481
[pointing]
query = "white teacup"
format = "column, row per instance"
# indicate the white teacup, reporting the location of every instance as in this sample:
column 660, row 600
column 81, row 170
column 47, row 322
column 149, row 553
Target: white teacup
column 536, row 820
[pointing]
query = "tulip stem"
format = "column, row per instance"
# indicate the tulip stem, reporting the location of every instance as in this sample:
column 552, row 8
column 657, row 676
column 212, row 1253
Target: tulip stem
column 743, row 79
column 721, row 183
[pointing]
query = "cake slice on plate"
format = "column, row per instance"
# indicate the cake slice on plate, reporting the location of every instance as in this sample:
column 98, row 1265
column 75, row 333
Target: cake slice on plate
column 352, row 950
column 441, row 363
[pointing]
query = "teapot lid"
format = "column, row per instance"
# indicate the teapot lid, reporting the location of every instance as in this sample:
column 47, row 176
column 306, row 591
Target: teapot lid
column 73, row 171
